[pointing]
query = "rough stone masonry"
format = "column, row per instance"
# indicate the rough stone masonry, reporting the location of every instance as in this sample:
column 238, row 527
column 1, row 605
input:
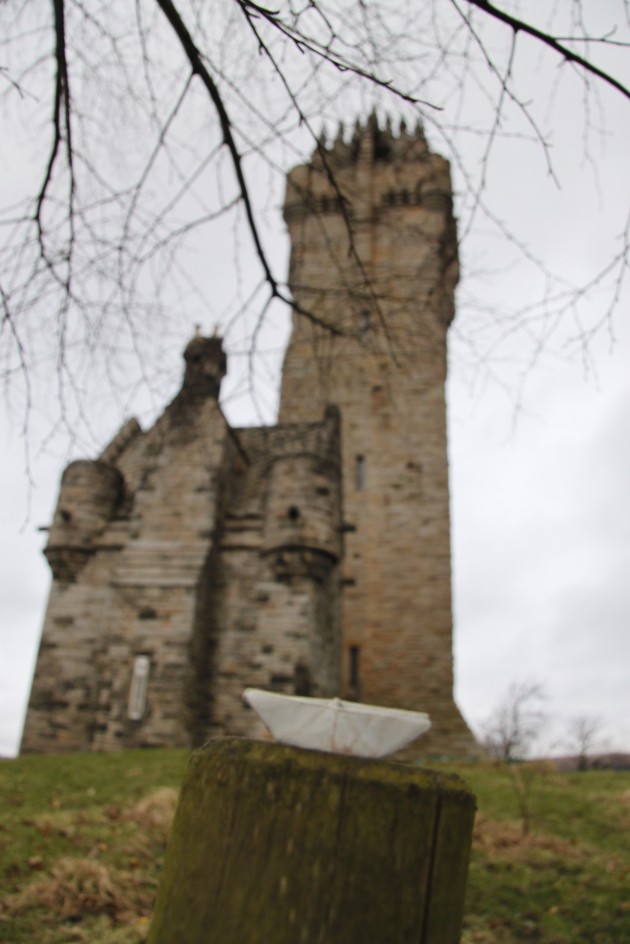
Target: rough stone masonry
column 192, row 560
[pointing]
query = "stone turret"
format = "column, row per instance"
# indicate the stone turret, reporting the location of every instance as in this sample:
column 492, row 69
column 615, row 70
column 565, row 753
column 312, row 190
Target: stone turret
column 89, row 494
column 302, row 527
column 206, row 365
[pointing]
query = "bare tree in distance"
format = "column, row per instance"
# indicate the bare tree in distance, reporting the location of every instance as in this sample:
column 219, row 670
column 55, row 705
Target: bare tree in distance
column 583, row 734
column 516, row 722
column 145, row 132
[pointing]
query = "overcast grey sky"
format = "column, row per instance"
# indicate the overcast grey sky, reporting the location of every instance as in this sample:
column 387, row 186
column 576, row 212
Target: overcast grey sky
column 541, row 529
column 539, row 451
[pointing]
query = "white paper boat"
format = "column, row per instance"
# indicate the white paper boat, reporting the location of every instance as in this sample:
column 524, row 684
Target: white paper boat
column 341, row 727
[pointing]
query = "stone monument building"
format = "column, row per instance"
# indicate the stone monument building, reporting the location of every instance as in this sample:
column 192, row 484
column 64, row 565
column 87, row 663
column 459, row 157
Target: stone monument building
column 193, row 559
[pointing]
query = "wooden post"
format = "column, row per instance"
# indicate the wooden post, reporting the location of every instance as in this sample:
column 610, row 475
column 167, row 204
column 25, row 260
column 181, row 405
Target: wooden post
column 275, row 845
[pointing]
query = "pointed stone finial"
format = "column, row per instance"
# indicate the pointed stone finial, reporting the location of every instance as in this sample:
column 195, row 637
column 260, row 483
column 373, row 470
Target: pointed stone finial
column 369, row 138
column 419, row 147
column 340, row 149
column 355, row 141
column 205, row 367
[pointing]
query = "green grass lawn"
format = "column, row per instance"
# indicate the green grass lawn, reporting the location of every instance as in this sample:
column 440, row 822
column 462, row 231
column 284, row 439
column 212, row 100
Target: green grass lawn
column 82, row 839
column 567, row 880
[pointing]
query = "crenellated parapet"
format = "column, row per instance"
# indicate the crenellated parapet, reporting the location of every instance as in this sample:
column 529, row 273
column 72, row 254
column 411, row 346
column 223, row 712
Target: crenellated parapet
column 401, row 170
column 369, row 143
column 372, row 226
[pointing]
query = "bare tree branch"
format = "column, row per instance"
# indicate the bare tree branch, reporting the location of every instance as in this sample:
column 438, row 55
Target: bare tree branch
column 516, row 722
column 135, row 178
column 198, row 68
column 521, row 26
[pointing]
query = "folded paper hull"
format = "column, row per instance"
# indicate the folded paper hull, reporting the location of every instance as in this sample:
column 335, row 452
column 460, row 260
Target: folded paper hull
column 340, row 727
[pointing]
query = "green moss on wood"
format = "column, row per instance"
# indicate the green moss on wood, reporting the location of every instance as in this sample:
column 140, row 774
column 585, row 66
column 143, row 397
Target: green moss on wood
column 273, row 845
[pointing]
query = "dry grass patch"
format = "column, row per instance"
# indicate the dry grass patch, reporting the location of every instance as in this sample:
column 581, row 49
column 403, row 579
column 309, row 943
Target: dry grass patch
column 155, row 811
column 82, row 841
column 505, row 840
column 104, row 892
column 75, row 888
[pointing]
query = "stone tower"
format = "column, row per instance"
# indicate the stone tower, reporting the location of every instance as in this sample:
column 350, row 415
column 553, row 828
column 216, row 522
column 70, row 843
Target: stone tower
column 192, row 560
column 374, row 266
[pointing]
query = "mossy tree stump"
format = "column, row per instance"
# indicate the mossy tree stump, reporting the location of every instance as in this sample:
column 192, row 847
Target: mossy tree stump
column 274, row 845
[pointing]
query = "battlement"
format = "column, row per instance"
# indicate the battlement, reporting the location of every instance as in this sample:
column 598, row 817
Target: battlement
column 369, row 143
column 369, row 173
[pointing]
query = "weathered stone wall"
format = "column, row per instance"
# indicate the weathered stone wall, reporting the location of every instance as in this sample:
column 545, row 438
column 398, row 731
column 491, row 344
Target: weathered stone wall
column 136, row 591
column 211, row 553
column 312, row 557
column 275, row 603
column 388, row 295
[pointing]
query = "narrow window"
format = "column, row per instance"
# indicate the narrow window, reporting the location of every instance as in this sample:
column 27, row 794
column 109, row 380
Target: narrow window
column 353, row 667
column 364, row 323
column 138, row 689
column 359, row 473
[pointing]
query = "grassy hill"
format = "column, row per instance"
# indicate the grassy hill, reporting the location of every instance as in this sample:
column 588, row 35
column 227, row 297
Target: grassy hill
column 82, row 839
